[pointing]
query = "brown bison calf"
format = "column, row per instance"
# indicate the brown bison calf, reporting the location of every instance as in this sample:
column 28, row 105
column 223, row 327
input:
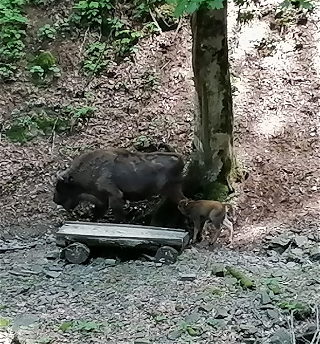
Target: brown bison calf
column 108, row 177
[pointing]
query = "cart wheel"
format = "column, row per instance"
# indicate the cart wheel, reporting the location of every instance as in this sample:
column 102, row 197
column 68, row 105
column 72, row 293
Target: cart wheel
column 76, row 253
column 166, row 255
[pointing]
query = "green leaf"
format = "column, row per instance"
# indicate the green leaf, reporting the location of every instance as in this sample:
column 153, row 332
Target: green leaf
column 192, row 7
column 4, row 322
column 215, row 4
column 180, row 8
column 66, row 326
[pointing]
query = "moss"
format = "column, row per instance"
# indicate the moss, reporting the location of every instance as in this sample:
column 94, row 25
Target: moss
column 300, row 310
column 244, row 281
column 45, row 60
column 216, row 191
column 21, row 133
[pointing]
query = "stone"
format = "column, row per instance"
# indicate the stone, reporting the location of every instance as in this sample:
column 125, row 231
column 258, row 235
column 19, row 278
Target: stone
column 265, row 298
column 158, row 265
column 268, row 306
column 249, row 329
column 110, row 262
column 192, row 318
column 141, row 341
column 300, row 240
column 221, row 313
column 174, row 335
column 188, row 277
column 281, row 336
column 231, row 281
column 52, row 255
column 273, row 314
column 307, row 336
column 24, row 320
column 219, row 270
column 206, row 307
column 315, row 252
column 53, row 274
column 280, row 243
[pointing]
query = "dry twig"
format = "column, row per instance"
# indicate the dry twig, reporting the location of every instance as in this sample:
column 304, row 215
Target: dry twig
column 155, row 21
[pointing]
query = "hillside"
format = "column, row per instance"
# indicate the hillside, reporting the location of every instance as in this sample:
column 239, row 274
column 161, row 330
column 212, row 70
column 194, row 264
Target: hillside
column 253, row 293
column 150, row 95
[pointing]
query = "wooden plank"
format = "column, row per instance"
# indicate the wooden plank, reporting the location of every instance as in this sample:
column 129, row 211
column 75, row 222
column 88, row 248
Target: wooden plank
column 107, row 225
column 122, row 234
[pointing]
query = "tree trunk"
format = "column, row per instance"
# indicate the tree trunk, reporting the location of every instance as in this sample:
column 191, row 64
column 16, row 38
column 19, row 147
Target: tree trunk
column 213, row 141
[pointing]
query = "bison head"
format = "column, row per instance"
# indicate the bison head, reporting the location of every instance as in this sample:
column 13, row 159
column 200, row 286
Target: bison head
column 66, row 192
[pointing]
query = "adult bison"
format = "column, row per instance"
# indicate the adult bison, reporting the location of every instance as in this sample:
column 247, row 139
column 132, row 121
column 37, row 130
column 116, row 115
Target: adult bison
column 107, row 177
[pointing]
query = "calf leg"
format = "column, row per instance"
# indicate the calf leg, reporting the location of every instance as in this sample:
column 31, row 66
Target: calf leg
column 229, row 225
column 111, row 193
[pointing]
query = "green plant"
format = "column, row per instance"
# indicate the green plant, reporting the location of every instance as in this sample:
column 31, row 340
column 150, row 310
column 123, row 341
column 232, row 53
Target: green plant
column 24, row 125
column 4, row 322
column 44, row 65
column 126, row 41
column 92, row 13
column 47, row 32
column 12, row 32
column 150, row 80
column 95, row 58
column 298, row 4
column 78, row 325
column 142, row 7
column 300, row 310
column 7, row 70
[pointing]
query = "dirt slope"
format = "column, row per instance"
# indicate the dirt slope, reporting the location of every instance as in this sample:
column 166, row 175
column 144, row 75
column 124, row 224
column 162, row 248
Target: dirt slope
column 276, row 104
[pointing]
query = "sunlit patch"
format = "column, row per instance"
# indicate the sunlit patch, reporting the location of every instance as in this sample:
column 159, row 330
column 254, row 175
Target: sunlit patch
column 249, row 234
column 271, row 124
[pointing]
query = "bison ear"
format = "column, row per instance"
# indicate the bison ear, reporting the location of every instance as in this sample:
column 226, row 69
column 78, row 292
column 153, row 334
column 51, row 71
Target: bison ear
column 70, row 179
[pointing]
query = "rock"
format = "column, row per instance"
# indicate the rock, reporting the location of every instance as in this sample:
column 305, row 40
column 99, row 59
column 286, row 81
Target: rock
column 307, row 336
column 188, row 277
column 141, row 341
column 53, row 274
column 174, row 335
column 158, row 265
column 192, row 318
column 230, row 281
column 219, row 270
column 315, row 252
column 267, row 306
column 52, row 255
column 273, row 314
column 217, row 322
column 281, row 336
column 294, row 255
column 206, row 307
column 280, row 243
column 221, row 313
column 291, row 265
column 300, row 240
column 25, row 320
column 249, row 329
column 110, row 262
column 265, row 298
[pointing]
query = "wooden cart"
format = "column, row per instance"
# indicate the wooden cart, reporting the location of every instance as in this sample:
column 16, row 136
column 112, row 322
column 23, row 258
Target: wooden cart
column 77, row 238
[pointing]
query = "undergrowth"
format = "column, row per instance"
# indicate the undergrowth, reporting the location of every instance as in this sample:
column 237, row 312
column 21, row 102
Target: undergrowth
column 118, row 37
column 13, row 25
column 33, row 121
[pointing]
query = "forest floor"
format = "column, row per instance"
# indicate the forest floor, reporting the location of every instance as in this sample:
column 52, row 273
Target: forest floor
column 275, row 76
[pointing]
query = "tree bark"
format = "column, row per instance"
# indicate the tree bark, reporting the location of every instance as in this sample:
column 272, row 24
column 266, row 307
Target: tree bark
column 213, row 140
